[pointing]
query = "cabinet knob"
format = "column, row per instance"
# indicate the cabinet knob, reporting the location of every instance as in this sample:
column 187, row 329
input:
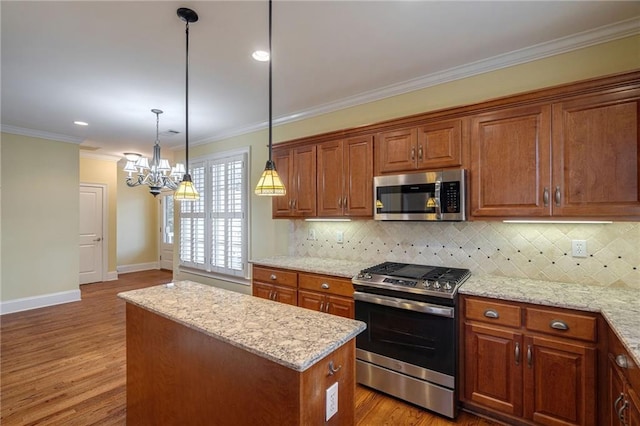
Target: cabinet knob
column 622, row 361
column 490, row 313
column 559, row 325
column 325, row 286
column 273, row 277
column 332, row 369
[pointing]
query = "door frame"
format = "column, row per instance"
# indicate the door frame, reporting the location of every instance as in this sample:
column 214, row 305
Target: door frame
column 105, row 226
column 161, row 207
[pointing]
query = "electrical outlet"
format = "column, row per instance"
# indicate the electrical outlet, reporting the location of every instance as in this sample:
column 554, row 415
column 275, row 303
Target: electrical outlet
column 311, row 235
column 340, row 237
column 332, row 401
column 579, row 248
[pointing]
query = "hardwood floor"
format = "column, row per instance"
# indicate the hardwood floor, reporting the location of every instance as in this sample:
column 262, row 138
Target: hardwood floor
column 66, row 365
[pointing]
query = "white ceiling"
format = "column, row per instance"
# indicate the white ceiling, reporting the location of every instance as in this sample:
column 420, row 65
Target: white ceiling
column 109, row 63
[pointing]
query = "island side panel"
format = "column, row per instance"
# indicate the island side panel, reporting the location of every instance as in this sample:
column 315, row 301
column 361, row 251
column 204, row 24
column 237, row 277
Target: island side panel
column 316, row 380
column 177, row 376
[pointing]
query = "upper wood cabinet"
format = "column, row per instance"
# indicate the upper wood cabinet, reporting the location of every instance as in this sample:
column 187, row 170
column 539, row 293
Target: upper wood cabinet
column 510, row 162
column 297, row 169
column 575, row 158
column 596, row 171
column 345, row 177
column 431, row 146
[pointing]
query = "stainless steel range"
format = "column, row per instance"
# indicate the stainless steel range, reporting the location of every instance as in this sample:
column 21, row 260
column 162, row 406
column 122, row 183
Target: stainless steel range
column 409, row 349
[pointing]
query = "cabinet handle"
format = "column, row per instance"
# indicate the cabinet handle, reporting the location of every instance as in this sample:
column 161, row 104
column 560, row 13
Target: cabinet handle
column 344, row 203
column 618, row 400
column 293, row 203
column 270, row 294
column 621, row 412
column 413, row 153
column 420, row 153
column 333, row 370
column 340, row 202
column 321, row 306
column 326, row 307
column 517, row 353
column 325, row 286
column 557, row 196
column 490, row 313
column 545, row 196
column 273, row 277
column 559, row 325
column 622, row 361
column 529, row 356
column 275, row 295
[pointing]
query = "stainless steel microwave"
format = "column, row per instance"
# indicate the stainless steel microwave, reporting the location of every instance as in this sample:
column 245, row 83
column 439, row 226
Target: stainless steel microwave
column 430, row 196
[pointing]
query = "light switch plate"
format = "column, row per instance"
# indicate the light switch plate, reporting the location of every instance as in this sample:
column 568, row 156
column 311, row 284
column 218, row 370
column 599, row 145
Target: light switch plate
column 332, row 401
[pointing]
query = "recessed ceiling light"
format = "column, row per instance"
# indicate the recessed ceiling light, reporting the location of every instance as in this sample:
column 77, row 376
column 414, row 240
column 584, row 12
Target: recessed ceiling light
column 81, row 123
column 260, row 55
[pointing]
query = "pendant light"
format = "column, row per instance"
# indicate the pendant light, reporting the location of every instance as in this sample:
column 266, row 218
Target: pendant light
column 270, row 183
column 186, row 191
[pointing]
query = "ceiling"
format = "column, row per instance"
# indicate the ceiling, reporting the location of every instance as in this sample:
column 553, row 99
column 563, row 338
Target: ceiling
column 109, row 63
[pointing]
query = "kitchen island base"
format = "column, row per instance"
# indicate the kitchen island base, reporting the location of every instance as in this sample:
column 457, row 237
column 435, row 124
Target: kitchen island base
column 177, row 375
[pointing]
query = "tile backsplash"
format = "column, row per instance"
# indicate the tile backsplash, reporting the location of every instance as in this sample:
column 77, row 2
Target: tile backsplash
column 537, row 251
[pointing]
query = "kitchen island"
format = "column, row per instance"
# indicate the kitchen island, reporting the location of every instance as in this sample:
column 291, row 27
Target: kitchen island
column 201, row 355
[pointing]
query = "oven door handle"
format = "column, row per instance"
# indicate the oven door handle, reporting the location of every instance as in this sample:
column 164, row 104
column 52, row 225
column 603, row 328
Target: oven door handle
column 408, row 305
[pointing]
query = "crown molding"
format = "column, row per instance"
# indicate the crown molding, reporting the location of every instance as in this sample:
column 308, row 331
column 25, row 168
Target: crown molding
column 622, row 29
column 14, row 130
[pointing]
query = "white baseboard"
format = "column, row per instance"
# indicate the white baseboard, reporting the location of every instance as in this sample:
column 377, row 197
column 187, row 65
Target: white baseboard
column 112, row 276
column 35, row 302
column 123, row 269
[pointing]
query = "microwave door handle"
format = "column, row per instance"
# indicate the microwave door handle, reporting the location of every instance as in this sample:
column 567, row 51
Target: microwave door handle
column 438, row 185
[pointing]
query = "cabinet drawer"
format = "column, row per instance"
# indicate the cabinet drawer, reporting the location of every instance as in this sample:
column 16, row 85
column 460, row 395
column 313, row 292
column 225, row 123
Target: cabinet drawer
column 499, row 313
column 341, row 287
column 562, row 323
column 275, row 276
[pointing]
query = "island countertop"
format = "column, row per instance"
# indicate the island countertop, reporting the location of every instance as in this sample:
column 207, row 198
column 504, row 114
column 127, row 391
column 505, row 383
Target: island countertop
column 291, row 336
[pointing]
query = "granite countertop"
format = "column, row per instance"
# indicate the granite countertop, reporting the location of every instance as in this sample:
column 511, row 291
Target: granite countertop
column 288, row 335
column 620, row 307
column 337, row 268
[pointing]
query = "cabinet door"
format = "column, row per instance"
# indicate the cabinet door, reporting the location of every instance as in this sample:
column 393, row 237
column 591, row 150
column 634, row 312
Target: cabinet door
column 560, row 382
column 493, row 368
column 358, row 177
column 286, row 295
column 262, row 290
column 396, row 150
column 596, row 144
column 330, row 179
column 311, row 300
column 304, row 181
column 632, row 415
column 511, row 162
column 340, row 306
column 440, row 145
column 282, row 205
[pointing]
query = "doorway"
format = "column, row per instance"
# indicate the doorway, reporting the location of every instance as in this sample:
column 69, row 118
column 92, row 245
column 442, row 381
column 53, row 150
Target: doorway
column 165, row 255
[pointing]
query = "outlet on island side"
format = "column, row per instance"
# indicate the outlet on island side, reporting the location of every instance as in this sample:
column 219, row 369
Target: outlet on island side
column 311, row 235
column 579, row 248
column 332, row 401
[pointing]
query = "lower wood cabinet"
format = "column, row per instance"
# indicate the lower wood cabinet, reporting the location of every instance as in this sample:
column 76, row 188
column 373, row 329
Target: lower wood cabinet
column 321, row 293
column 623, row 385
column 525, row 375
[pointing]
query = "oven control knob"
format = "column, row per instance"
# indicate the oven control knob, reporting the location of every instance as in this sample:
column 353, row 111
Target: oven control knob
column 437, row 285
column 447, row 286
column 426, row 284
column 367, row 276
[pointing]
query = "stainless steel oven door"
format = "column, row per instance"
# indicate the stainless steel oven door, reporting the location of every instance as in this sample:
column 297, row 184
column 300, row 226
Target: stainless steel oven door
column 417, row 333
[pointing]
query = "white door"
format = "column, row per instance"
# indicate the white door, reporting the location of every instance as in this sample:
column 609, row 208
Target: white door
column 166, row 232
column 91, row 238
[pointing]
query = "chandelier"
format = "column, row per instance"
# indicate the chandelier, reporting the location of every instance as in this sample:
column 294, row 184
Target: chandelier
column 158, row 174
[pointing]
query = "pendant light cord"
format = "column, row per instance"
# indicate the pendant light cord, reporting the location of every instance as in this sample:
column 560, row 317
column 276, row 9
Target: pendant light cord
column 270, row 84
column 186, row 156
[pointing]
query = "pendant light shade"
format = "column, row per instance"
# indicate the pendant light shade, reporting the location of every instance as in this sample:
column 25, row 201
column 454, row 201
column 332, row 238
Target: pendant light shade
column 270, row 183
column 186, row 191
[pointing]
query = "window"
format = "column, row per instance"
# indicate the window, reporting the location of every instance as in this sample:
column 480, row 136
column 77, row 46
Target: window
column 213, row 230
